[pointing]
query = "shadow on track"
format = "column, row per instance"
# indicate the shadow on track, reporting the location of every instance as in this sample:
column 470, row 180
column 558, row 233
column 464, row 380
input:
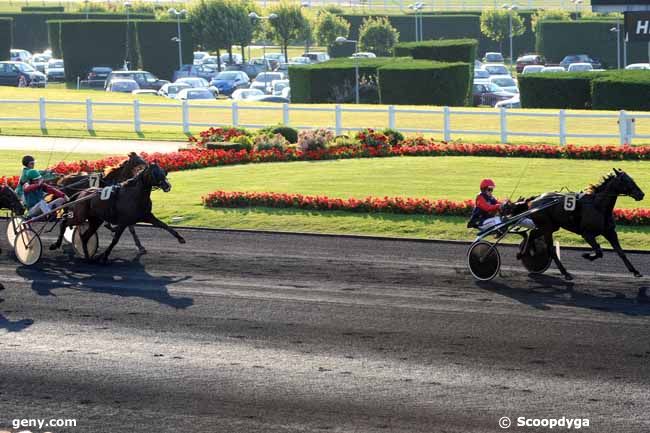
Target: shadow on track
column 16, row 326
column 121, row 278
column 545, row 291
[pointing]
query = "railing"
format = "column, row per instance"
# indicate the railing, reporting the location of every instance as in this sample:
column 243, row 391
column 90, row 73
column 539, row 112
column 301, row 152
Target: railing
column 436, row 5
column 621, row 124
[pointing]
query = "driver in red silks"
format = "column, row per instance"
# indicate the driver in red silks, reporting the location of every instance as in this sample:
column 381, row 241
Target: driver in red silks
column 487, row 207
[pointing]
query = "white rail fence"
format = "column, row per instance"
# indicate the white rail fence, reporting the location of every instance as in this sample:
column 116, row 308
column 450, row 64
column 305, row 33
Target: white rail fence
column 625, row 122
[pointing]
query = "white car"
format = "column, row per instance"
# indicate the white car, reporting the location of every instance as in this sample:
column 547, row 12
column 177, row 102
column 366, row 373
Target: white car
column 580, row 67
column 244, row 94
column 506, row 83
column 317, row 57
column 637, row 66
column 497, row 69
column 171, row 90
column 276, row 57
column 17, row 55
column 196, row 82
column 122, row 85
column 364, row 55
column 236, row 59
column 481, row 74
column 553, row 69
column 199, row 56
column 39, row 62
column 300, row 60
column 286, row 93
column 531, row 69
column 513, row 102
column 278, row 85
column 263, row 81
column 493, row 57
column 195, row 94
column 55, row 70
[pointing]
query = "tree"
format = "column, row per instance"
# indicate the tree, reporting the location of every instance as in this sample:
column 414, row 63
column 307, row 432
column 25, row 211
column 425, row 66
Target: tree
column 329, row 27
column 542, row 15
column 288, row 25
column 206, row 17
column 378, row 36
column 307, row 32
column 495, row 24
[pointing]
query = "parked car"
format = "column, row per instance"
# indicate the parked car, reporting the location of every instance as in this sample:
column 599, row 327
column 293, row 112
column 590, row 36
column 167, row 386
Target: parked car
column 271, row 98
column 21, row 74
column 529, row 59
column 531, row 69
column 198, row 56
column 195, row 82
column 481, row 74
column 493, row 57
column 317, row 57
column 278, row 85
column 210, row 60
column 506, row 83
column 229, row 81
column 98, row 75
column 286, row 93
column 364, row 55
column 488, row 94
column 263, row 81
column 300, row 59
column 236, row 59
column 276, row 57
column 245, row 94
column 171, row 90
column 145, row 92
column 55, row 70
column 580, row 67
column 478, row 64
column 637, row 66
column 253, row 67
column 18, row 55
column 123, row 85
column 553, row 69
column 580, row 58
column 145, row 80
column 195, row 94
column 514, row 102
column 39, row 62
column 497, row 70
column 203, row 71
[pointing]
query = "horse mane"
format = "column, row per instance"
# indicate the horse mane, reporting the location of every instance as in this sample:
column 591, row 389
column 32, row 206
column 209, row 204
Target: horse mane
column 598, row 187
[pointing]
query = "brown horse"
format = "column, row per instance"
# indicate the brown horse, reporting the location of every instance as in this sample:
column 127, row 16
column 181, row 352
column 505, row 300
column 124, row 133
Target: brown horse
column 73, row 184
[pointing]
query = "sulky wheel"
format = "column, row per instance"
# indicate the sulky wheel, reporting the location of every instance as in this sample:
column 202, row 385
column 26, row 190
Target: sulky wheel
column 28, row 247
column 537, row 257
column 77, row 244
column 483, row 260
column 13, row 227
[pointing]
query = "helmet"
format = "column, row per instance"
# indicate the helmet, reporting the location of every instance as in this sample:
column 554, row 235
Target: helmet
column 33, row 174
column 486, row 183
column 27, row 159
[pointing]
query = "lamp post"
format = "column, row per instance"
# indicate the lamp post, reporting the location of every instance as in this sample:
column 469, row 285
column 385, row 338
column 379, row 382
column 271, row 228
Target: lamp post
column 617, row 30
column 342, row 40
column 254, row 16
column 577, row 3
column 178, row 14
column 510, row 9
column 86, row 2
column 127, row 7
column 417, row 13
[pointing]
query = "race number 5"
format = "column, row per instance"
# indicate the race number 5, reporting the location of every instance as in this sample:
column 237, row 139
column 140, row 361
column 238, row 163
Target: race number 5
column 570, row 203
column 94, row 180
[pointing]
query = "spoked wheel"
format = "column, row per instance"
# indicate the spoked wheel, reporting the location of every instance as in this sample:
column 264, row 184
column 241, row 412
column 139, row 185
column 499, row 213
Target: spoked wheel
column 483, row 260
column 13, row 227
column 77, row 243
column 537, row 257
column 28, row 247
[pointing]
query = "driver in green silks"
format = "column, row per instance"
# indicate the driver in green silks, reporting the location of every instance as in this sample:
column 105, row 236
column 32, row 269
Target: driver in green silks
column 33, row 190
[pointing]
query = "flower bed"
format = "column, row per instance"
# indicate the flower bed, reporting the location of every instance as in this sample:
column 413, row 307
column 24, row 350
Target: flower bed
column 395, row 205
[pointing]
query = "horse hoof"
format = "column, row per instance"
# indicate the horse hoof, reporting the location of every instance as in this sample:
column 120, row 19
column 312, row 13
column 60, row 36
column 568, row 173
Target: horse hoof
column 638, row 274
column 54, row 247
column 568, row 277
column 181, row 241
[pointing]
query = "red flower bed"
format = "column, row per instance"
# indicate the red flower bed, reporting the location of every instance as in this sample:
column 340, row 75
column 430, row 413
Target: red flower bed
column 398, row 205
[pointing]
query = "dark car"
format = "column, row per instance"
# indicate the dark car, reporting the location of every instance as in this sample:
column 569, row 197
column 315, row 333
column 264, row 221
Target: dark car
column 145, row 80
column 207, row 71
column 229, row 81
column 98, row 75
column 529, row 59
column 253, row 67
column 489, row 94
column 21, row 74
column 580, row 58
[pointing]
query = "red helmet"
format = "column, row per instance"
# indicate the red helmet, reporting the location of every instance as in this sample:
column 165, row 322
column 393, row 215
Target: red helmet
column 486, row 183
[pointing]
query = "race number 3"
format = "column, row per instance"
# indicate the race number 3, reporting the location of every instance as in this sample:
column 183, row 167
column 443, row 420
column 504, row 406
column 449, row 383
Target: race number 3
column 94, row 180
column 570, row 203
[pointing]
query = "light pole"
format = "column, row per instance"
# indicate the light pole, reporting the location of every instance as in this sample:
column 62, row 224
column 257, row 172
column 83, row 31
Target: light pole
column 178, row 14
column 342, row 40
column 254, row 16
column 617, row 30
column 577, row 3
column 127, row 7
column 417, row 8
column 86, row 2
column 510, row 9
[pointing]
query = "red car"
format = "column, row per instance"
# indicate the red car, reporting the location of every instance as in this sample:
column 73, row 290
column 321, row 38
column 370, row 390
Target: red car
column 529, row 59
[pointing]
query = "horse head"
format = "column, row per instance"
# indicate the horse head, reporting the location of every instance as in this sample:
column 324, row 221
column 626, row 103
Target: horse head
column 156, row 177
column 135, row 163
column 9, row 200
column 625, row 185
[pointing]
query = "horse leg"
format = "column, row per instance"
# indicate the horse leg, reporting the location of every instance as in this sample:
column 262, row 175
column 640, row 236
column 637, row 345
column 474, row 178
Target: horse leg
column 56, row 245
column 548, row 238
column 151, row 219
column 597, row 252
column 612, row 238
column 116, row 238
column 136, row 239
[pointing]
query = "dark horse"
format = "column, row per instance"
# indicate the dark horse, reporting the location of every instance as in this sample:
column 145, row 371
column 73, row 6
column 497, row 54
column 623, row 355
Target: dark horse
column 9, row 200
column 129, row 204
column 75, row 183
column 593, row 216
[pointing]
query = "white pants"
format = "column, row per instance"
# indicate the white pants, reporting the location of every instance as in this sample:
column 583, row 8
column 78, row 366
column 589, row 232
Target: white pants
column 526, row 222
column 43, row 207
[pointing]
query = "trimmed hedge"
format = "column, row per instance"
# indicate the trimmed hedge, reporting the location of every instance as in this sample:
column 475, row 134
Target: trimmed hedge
column 423, row 82
column 31, row 32
column 5, row 38
column 87, row 43
column 559, row 90
column 42, row 9
column 621, row 91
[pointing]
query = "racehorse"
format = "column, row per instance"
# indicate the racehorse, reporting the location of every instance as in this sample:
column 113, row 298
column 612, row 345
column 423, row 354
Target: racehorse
column 593, row 216
column 75, row 183
column 130, row 203
column 9, row 200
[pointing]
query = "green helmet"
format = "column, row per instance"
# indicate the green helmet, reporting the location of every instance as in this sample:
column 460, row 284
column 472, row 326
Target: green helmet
column 32, row 174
